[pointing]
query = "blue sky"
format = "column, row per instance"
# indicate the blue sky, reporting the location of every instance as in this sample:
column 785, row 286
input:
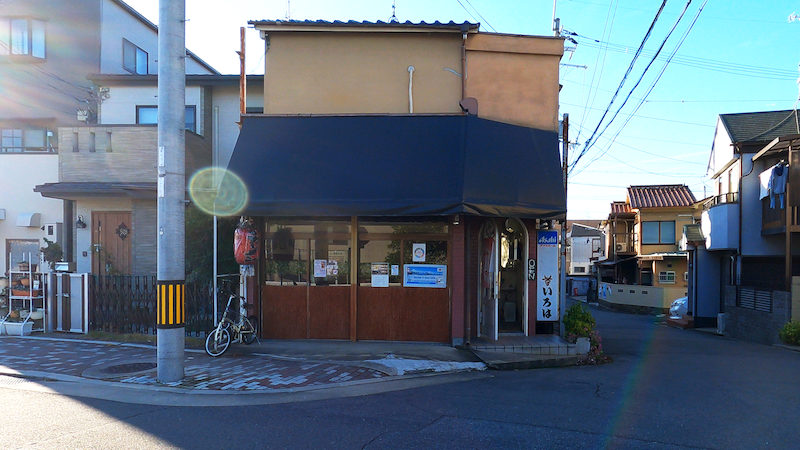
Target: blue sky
column 738, row 57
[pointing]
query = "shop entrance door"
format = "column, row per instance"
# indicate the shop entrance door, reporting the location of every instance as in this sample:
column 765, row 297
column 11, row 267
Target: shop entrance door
column 488, row 283
column 512, row 271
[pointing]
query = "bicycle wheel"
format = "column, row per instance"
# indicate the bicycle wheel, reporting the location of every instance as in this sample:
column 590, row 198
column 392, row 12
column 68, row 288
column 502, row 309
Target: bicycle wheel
column 217, row 346
column 250, row 330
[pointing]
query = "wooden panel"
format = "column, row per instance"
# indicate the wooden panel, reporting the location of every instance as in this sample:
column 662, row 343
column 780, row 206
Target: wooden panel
column 329, row 312
column 403, row 314
column 283, row 312
column 111, row 239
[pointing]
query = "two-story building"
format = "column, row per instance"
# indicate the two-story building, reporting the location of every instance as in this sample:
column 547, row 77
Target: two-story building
column 402, row 177
column 645, row 269
column 49, row 52
column 745, row 261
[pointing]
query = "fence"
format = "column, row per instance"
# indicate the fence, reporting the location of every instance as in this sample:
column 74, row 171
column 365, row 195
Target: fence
column 127, row 304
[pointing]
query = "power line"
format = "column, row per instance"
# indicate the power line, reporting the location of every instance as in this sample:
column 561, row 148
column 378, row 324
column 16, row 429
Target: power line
column 641, row 76
column 473, row 15
column 622, row 82
column 654, row 118
column 658, row 77
column 480, row 15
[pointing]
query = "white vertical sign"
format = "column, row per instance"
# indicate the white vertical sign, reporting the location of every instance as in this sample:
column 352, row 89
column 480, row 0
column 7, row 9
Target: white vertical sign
column 547, row 295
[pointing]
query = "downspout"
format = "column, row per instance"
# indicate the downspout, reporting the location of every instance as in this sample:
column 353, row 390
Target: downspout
column 467, row 309
column 463, row 64
column 411, row 89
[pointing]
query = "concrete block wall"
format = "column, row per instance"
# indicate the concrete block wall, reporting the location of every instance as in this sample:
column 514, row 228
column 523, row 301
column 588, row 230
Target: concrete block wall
column 756, row 326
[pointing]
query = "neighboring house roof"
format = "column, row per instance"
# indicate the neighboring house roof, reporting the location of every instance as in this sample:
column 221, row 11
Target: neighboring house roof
column 592, row 223
column 620, row 208
column 74, row 190
column 154, row 27
column 660, row 196
column 579, row 230
column 761, row 126
column 354, row 25
column 191, row 79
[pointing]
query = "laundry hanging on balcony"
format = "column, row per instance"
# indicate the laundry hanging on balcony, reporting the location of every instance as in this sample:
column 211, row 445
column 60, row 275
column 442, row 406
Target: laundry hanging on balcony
column 776, row 185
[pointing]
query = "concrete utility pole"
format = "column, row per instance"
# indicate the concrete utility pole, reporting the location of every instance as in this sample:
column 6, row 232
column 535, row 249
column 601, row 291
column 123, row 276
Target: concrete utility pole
column 171, row 188
column 562, row 283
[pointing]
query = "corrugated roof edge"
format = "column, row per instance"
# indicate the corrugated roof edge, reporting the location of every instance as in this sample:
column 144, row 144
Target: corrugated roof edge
column 455, row 26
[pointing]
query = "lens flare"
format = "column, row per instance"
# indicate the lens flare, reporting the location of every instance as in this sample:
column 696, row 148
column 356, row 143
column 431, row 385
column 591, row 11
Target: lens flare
column 218, row 191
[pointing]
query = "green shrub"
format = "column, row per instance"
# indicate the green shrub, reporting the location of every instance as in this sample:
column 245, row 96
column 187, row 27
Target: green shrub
column 578, row 321
column 790, row 333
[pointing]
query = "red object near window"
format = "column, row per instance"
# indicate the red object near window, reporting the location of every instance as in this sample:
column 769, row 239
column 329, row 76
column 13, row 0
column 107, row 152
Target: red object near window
column 245, row 245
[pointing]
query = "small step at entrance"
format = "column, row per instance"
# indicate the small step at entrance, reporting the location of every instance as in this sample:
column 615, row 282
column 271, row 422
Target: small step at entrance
column 532, row 345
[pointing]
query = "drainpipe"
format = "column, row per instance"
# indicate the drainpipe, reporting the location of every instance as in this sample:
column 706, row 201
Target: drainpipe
column 411, row 89
column 463, row 64
column 467, row 309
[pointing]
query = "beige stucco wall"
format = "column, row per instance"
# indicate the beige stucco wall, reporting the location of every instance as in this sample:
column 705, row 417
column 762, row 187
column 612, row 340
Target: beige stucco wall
column 677, row 265
column 515, row 78
column 334, row 73
column 634, row 295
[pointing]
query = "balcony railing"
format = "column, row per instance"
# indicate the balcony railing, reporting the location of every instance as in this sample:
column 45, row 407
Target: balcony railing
column 773, row 220
column 729, row 197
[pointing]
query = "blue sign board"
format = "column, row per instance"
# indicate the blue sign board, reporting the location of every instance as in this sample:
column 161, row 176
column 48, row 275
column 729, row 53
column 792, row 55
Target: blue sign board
column 425, row 275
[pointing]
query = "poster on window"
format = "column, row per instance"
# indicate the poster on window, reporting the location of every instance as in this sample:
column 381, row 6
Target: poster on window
column 547, row 295
column 418, row 252
column 320, row 268
column 425, row 275
column 380, row 274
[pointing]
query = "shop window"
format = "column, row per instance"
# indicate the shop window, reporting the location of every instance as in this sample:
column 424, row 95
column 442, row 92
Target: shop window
column 666, row 277
column 134, row 59
column 307, row 252
column 23, row 37
column 395, row 243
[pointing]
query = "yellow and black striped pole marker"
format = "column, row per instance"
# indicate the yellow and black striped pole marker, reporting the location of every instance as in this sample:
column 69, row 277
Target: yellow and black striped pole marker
column 171, row 311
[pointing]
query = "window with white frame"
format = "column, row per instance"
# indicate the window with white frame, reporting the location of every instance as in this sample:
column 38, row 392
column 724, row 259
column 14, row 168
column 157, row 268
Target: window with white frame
column 25, row 139
column 666, row 277
column 21, row 36
column 148, row 115
column 134, row 59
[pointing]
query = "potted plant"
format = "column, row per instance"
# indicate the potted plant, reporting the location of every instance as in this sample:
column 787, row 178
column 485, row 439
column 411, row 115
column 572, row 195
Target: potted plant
column 52, row 253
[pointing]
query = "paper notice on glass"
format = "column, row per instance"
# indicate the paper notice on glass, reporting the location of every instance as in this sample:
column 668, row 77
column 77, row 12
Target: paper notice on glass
column 418, row 252
column 380, row 274
column 425, row 275
column 333, row 267
column 395, row 270
column 320, row 268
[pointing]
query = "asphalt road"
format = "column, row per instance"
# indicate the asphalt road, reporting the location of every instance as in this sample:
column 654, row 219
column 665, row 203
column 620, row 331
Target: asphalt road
column 665, row 388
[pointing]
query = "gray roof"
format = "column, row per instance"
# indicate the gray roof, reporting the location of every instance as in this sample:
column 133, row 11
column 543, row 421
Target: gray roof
column 579, row 230
column 760, row 126
column 455, row 26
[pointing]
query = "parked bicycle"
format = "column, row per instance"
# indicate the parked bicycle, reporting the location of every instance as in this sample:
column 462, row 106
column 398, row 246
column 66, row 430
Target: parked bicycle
column 234, row 327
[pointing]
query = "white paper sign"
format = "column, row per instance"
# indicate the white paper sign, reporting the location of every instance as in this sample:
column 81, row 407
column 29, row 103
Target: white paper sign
column 333, row 267
column 380, row 274
column 418, row 252
column 547, row 295
column 320, row 268
column 395, row 270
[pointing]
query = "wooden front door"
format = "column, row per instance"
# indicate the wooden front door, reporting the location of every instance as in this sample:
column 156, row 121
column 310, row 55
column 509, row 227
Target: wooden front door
column 111, row 243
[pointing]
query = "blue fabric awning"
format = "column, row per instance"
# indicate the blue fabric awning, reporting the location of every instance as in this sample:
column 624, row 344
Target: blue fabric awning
column 412, row 165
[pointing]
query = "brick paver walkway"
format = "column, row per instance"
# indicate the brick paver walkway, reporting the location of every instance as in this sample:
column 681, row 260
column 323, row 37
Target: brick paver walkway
column 226, row 373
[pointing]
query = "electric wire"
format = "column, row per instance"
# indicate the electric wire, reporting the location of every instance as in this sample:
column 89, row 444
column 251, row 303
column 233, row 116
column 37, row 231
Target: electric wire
column 641, row 76
column 654, row 83
column 587, row 143
column 481, row 16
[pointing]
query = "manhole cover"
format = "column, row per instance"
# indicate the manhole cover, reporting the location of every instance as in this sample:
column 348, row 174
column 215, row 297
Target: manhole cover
column 128, row 368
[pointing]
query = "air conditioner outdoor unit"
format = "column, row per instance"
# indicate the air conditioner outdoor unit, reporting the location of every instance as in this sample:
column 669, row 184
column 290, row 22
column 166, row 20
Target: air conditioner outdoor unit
column 622, row 247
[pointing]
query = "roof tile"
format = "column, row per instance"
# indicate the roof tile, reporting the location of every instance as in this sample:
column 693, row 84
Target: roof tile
column 660, row 196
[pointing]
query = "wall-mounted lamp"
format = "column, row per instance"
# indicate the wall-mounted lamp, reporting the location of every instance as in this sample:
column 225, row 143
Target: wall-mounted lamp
column 80, row 223
column 456, row 219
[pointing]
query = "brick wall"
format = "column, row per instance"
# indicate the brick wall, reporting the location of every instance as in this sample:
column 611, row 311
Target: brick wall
column 756, row 326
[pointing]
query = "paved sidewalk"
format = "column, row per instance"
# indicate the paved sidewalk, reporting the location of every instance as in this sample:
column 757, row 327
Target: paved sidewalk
column 240, row 370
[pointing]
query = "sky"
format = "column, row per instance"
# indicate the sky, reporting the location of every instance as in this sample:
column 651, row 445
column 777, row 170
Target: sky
column 727, row 57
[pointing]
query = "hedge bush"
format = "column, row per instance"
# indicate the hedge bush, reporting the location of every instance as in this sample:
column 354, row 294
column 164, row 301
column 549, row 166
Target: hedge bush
column 790, row 333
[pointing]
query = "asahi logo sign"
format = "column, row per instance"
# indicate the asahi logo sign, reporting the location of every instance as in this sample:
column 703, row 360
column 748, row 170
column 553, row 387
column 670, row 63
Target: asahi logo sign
column 547, row 294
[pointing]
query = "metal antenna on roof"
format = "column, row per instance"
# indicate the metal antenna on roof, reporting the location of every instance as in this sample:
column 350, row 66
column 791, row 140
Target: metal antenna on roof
column 393, row 19
column 288, row 9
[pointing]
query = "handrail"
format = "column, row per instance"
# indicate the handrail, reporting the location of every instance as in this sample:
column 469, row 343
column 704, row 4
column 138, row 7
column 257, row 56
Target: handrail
column 721, row 199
